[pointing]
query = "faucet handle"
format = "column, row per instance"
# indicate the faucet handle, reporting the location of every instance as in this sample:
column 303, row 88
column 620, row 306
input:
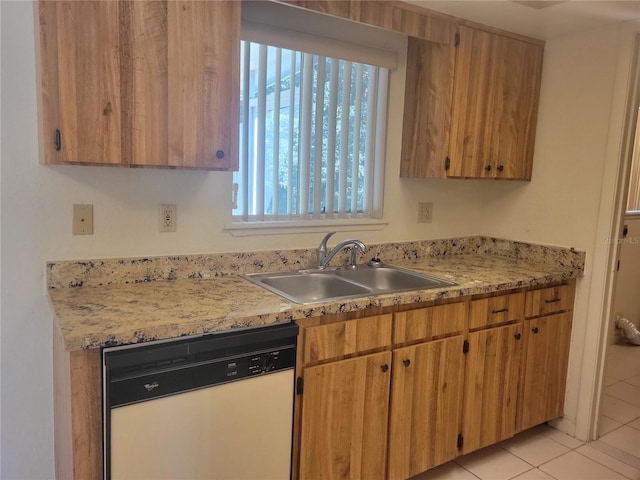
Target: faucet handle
column 323, row 243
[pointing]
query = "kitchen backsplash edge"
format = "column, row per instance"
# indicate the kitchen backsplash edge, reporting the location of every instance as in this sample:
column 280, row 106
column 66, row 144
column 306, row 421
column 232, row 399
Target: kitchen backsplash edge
column 83, row 273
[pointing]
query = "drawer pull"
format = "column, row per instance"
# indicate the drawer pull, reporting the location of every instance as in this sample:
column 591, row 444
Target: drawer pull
column 499, row 311
column 518, row 336
column 553, row 300
column 535, row 330
column 384, row 367
column 406, row 362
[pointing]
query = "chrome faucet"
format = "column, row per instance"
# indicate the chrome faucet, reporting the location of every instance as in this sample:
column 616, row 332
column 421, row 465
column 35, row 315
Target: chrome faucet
column 324, row 258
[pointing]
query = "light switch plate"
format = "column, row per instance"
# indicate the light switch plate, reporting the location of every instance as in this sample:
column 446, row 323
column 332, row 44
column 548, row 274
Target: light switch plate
column 83, row 219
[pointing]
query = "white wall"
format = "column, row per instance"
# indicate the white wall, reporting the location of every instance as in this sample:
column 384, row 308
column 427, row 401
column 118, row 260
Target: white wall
column 559, row 206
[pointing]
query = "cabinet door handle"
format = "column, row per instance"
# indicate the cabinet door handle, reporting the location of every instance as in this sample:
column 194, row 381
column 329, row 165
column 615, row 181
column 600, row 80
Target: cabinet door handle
column 220, row 154
column 500, row 168
column 384, row 367
column 406, row 362
column 499, row 311
column 488, row 168
column 553, row 300
column 518, row 336
column 535, row 330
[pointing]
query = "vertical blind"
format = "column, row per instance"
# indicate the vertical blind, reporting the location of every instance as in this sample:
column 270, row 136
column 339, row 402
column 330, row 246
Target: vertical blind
column 311, row 136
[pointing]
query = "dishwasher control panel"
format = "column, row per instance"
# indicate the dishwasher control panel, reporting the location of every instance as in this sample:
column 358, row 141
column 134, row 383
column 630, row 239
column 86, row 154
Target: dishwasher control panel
column 148, row 373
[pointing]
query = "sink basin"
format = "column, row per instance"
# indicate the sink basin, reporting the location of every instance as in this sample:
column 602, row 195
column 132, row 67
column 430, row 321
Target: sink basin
column 391, row 279
column 300, row 287
column 313, row 286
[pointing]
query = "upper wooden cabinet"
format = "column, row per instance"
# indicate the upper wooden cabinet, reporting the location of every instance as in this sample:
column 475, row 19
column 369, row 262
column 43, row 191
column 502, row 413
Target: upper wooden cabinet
column 471, row 109
column 140, row 83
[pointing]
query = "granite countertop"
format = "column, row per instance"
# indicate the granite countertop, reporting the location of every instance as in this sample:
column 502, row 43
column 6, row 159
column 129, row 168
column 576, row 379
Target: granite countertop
column 94, row 316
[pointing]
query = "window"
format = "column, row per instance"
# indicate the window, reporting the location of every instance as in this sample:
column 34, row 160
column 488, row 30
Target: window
column 312, row 135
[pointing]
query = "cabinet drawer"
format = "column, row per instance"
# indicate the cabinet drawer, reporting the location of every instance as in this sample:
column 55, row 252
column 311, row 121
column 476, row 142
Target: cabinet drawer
column 430, row 322
column 548, row 300
column 486, row 312
column 333, row 340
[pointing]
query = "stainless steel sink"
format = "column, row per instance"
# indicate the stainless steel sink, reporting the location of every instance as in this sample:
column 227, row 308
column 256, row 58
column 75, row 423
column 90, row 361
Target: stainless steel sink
column 313, row 286
column 391, row 279
column 302, row 287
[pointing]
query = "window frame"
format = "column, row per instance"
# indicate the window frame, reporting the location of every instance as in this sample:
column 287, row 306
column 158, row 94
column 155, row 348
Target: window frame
column 254, row 31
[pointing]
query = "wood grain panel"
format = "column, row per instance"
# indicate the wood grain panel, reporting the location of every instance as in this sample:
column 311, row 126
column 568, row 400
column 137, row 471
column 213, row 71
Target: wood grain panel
column 515, row 109
column 544, row 376
column 495, row 102
column 487, row 312
column 144, row 73
column 324, row 342
column 548, row 300
column 396, row 16
column 430, row 322
column 86, row 397
column 344, row 419
column 427, row 112
column 151, row 83
column 491, row 386
column 426, row 404
column 48, row 89
column 474, row 92
column 79, row 48
column 204, row 83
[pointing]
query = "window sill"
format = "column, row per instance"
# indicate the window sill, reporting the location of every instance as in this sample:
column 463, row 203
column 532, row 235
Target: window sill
column 245, row 229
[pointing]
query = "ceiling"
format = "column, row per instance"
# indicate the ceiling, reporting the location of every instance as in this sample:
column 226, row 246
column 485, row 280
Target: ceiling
column 539, row 19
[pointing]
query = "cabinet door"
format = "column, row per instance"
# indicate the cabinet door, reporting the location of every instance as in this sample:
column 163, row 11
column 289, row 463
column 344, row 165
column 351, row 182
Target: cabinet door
column 544, row 379
column 203, row 83
column 344, row 419
column 148, row 83
column 427, row 108
column 495, row 101
column 491, row 386
column 79, row 51
column 426, row 403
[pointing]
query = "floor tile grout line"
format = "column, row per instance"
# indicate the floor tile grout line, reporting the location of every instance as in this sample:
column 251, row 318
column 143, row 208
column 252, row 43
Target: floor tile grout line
column 621, row 400
column 610, row 456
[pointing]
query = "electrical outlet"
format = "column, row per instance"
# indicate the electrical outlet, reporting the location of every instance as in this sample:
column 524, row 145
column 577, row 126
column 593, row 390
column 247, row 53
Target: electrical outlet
column 168, row 217
column 82, row 220
column 425, row 212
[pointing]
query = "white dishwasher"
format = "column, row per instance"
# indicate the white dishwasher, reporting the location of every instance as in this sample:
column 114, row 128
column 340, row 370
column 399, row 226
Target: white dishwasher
column 214, row 407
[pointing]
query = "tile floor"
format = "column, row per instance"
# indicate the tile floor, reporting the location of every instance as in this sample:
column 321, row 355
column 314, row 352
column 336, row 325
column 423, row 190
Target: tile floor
column 543, row 453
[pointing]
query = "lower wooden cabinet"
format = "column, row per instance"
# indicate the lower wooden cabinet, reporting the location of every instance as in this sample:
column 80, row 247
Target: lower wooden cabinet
column 392, row 395
column 426, row 400
column 544, row 376
column 491, row 386
column 344, row 419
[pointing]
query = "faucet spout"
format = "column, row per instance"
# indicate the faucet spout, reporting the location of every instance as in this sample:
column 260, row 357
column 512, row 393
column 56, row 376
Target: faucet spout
column 324, row 258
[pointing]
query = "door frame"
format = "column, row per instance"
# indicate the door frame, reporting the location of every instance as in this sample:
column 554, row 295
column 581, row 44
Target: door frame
column 624, row 116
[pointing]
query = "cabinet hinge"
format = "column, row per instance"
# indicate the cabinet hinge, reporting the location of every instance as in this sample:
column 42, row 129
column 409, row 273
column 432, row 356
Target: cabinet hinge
column 299, row 385
column 447, row 163
column 465, row 347
column 57, row 141
column 460, row 441
column 457, row 39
